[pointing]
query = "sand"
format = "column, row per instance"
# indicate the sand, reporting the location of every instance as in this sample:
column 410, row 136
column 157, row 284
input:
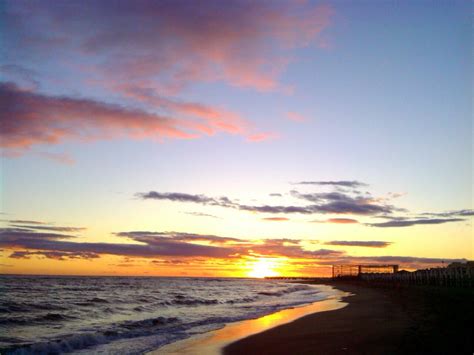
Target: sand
column 377, row 320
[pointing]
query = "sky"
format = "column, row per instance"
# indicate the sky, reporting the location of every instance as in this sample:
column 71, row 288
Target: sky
column 237, row 138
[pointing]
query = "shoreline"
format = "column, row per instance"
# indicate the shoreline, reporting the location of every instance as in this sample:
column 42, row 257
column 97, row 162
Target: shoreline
column 215, row 341
column 378, row 319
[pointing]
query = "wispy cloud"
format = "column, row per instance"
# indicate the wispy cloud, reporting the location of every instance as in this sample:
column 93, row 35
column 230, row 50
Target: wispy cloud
column 24, row 77
column 61, row 158
column 261, row 137
column 342, row 203
column 22, row 221
column 413, row 222
column 338, row 221
column 340, row 183
column 296, row 117
column 56, row 255
column 148, row 244
column 246, row 44
column 276, row 219
column 200, row 214
column 336, row 202
column 145, row 68
column 182, row 197
column 21, row 235
column 146, row 236
column 455, row 213
column 183, row 248
column 32, row 118
column 355, row 243
column 342, row 200
column 50, row 228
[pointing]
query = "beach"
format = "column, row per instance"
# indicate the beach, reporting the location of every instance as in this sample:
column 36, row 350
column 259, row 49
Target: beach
column 361, row 319
column 377, row 320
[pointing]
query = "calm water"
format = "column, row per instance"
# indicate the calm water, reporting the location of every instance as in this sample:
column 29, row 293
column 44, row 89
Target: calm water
column 131, row 314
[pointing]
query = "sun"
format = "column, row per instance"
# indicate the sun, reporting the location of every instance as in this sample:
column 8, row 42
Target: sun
column 262, row 268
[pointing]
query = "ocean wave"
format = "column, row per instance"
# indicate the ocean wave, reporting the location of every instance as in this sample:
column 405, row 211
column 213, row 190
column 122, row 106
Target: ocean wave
column 151, row 322
column 25, row 320
column 242, row 300
column 193, row 302
column 16, row 307
column 54, row 317
column 285, row 291
column 98, row 300
column 128, row 329
column 82, row 288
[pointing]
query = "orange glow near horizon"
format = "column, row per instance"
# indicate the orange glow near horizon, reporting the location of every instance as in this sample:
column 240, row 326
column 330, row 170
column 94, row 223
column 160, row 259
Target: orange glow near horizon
column 250, row 265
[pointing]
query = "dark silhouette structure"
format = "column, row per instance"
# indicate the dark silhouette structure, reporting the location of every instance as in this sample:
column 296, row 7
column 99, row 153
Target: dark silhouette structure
column 350, row 270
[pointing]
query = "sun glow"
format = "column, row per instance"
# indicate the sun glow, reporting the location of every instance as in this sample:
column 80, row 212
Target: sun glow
column 262, row 268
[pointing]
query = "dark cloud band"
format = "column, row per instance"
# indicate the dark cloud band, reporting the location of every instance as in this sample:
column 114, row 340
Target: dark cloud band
column 336, row 203
column 413, row 222
column 354, row 243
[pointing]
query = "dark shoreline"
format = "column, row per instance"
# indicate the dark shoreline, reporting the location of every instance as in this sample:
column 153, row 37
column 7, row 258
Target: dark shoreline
column 379, row 319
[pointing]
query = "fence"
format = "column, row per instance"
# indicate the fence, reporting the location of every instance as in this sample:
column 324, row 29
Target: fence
column 449, row 277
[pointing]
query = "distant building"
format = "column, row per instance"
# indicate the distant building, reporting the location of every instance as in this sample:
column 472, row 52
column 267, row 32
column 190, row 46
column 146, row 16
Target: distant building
column 350, row 270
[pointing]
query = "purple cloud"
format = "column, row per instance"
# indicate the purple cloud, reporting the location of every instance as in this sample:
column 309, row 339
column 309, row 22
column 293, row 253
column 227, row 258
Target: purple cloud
column 339, row 183
column 30, row 118
column 144, row 67
column 190, row 247
column 152, row 245
column 243, row 43
column 50, row 228
column 413, row 222
column 355, row 243
column 56, row 255
column 334, row 202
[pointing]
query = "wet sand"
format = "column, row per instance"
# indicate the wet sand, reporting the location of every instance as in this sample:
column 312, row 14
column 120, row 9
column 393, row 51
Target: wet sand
column 377, row 320
column 213, row 342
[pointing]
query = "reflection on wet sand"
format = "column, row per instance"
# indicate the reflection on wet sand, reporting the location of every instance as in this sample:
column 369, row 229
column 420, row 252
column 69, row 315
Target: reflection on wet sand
column 213, row 342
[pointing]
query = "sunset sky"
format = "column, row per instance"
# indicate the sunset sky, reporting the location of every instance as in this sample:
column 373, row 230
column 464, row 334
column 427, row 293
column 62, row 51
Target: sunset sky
column 234, row 138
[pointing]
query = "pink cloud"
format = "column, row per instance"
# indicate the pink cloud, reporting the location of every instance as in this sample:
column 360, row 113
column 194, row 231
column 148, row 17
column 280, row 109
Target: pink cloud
column 61, row 158
column 245, row 44
column 294, row 116
column 276, row 219
column 342, row 220
column 32, row 118
column 215, row 119
column 261, row 137
column 147, row 52
column 184, row 247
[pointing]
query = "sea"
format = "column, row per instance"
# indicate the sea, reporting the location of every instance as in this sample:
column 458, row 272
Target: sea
column 132, row 315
